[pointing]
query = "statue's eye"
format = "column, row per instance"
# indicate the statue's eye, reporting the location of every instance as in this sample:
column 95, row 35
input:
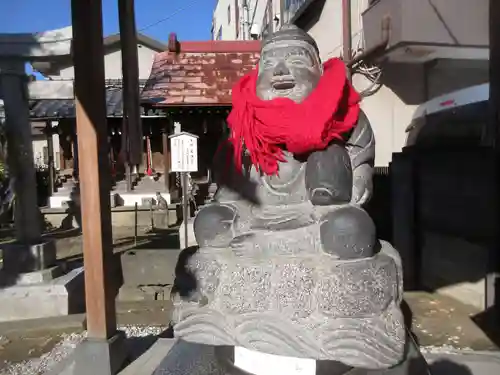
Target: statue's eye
column 268, row 64
column 297, row 62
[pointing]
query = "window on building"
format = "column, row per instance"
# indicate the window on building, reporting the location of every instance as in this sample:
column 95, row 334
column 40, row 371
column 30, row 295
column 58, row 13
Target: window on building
column 219, row 33
column 229, row 14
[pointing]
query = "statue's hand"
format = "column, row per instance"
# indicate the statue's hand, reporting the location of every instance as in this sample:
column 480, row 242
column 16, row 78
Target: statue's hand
column 362, row 187
column 214, row 225
column 329, row 177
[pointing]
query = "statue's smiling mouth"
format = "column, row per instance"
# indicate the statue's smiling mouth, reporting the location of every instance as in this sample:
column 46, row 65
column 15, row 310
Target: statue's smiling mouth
column 283, row 84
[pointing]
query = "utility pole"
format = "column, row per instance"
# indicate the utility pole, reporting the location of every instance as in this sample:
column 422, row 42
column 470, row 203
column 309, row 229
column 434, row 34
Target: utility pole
column 347, row 35
column 246, row 20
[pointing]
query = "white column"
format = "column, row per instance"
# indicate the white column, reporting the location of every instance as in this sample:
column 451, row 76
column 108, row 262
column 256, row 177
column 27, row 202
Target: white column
column 21, row 167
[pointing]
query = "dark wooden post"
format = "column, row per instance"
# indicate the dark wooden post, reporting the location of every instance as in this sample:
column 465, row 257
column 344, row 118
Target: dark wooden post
column 132, row 127
column 492, row 136
column 94, row 171
column 50, row 151
column 103, row 351
column 492, row 133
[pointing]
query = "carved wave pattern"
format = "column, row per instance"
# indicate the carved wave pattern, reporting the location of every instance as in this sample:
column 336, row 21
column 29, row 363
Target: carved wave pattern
column 373, row 343
column 299, row 286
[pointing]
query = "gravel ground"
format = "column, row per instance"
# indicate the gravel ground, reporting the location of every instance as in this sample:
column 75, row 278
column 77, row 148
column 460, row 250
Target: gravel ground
column 68, row 342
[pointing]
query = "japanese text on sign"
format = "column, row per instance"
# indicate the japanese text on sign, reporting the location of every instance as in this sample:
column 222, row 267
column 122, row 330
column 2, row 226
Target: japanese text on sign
column 184, row 153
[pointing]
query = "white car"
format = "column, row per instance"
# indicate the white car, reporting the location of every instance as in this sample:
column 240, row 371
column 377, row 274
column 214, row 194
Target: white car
column 459, row 117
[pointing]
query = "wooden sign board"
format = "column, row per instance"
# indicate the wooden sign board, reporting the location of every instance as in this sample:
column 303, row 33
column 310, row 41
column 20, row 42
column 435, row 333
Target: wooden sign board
column 184, row 152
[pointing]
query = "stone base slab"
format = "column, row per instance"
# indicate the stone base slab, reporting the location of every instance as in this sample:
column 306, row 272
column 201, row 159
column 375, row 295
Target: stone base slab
column 183, row 358
column 30, row 278
column 161, row 219
column 21, row 258
column 61, row 296
column 147, row 363
column 95, row 356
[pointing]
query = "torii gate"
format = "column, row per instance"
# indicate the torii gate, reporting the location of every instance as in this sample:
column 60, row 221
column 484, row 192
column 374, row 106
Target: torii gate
column 102, row 352
column 15, row 50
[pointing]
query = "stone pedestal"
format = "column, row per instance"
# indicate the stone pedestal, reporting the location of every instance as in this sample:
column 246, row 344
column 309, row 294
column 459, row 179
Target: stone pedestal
column 190, row 231
column 301, row 303
column 34, row 295
column 161, row 219
column 95, row 356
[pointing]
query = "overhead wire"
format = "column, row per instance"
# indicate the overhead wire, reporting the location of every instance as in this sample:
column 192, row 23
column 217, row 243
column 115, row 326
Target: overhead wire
column 371, row 72
column 171, row 15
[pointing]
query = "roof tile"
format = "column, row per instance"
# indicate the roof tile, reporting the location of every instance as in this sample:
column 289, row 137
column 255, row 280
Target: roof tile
column 202, row 73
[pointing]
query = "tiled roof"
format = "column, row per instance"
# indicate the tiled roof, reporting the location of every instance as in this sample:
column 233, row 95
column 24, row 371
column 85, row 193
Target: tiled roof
column 199, row 73
column 60, row 108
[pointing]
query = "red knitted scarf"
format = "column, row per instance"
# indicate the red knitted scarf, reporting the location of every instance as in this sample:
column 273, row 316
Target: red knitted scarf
column 265, row 127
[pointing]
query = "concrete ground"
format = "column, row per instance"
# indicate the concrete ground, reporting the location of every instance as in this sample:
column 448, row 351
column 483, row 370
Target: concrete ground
column 440, row 321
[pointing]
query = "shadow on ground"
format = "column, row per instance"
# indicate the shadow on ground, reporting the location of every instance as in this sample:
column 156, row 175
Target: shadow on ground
column 445, row 367
column 153, row 239
column 60, row 233
column 137, row 346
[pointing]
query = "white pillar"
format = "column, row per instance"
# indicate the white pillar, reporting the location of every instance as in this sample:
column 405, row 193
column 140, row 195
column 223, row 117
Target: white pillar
column 20, row 150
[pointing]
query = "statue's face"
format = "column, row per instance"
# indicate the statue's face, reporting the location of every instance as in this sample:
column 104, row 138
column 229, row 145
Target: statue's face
column 288, row 69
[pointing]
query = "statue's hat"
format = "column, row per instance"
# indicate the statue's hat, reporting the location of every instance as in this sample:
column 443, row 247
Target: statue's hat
column 290, row 32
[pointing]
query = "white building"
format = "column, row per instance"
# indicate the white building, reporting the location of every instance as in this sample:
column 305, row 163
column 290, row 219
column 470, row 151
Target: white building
column 244, row 19
column 416, row 64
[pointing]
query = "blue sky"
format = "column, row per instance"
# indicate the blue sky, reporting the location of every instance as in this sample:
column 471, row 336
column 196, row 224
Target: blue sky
column 190, row 19
column 19, row 16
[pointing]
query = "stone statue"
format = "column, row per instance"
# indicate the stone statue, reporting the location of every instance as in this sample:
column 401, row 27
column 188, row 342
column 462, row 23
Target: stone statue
column 288, row 262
